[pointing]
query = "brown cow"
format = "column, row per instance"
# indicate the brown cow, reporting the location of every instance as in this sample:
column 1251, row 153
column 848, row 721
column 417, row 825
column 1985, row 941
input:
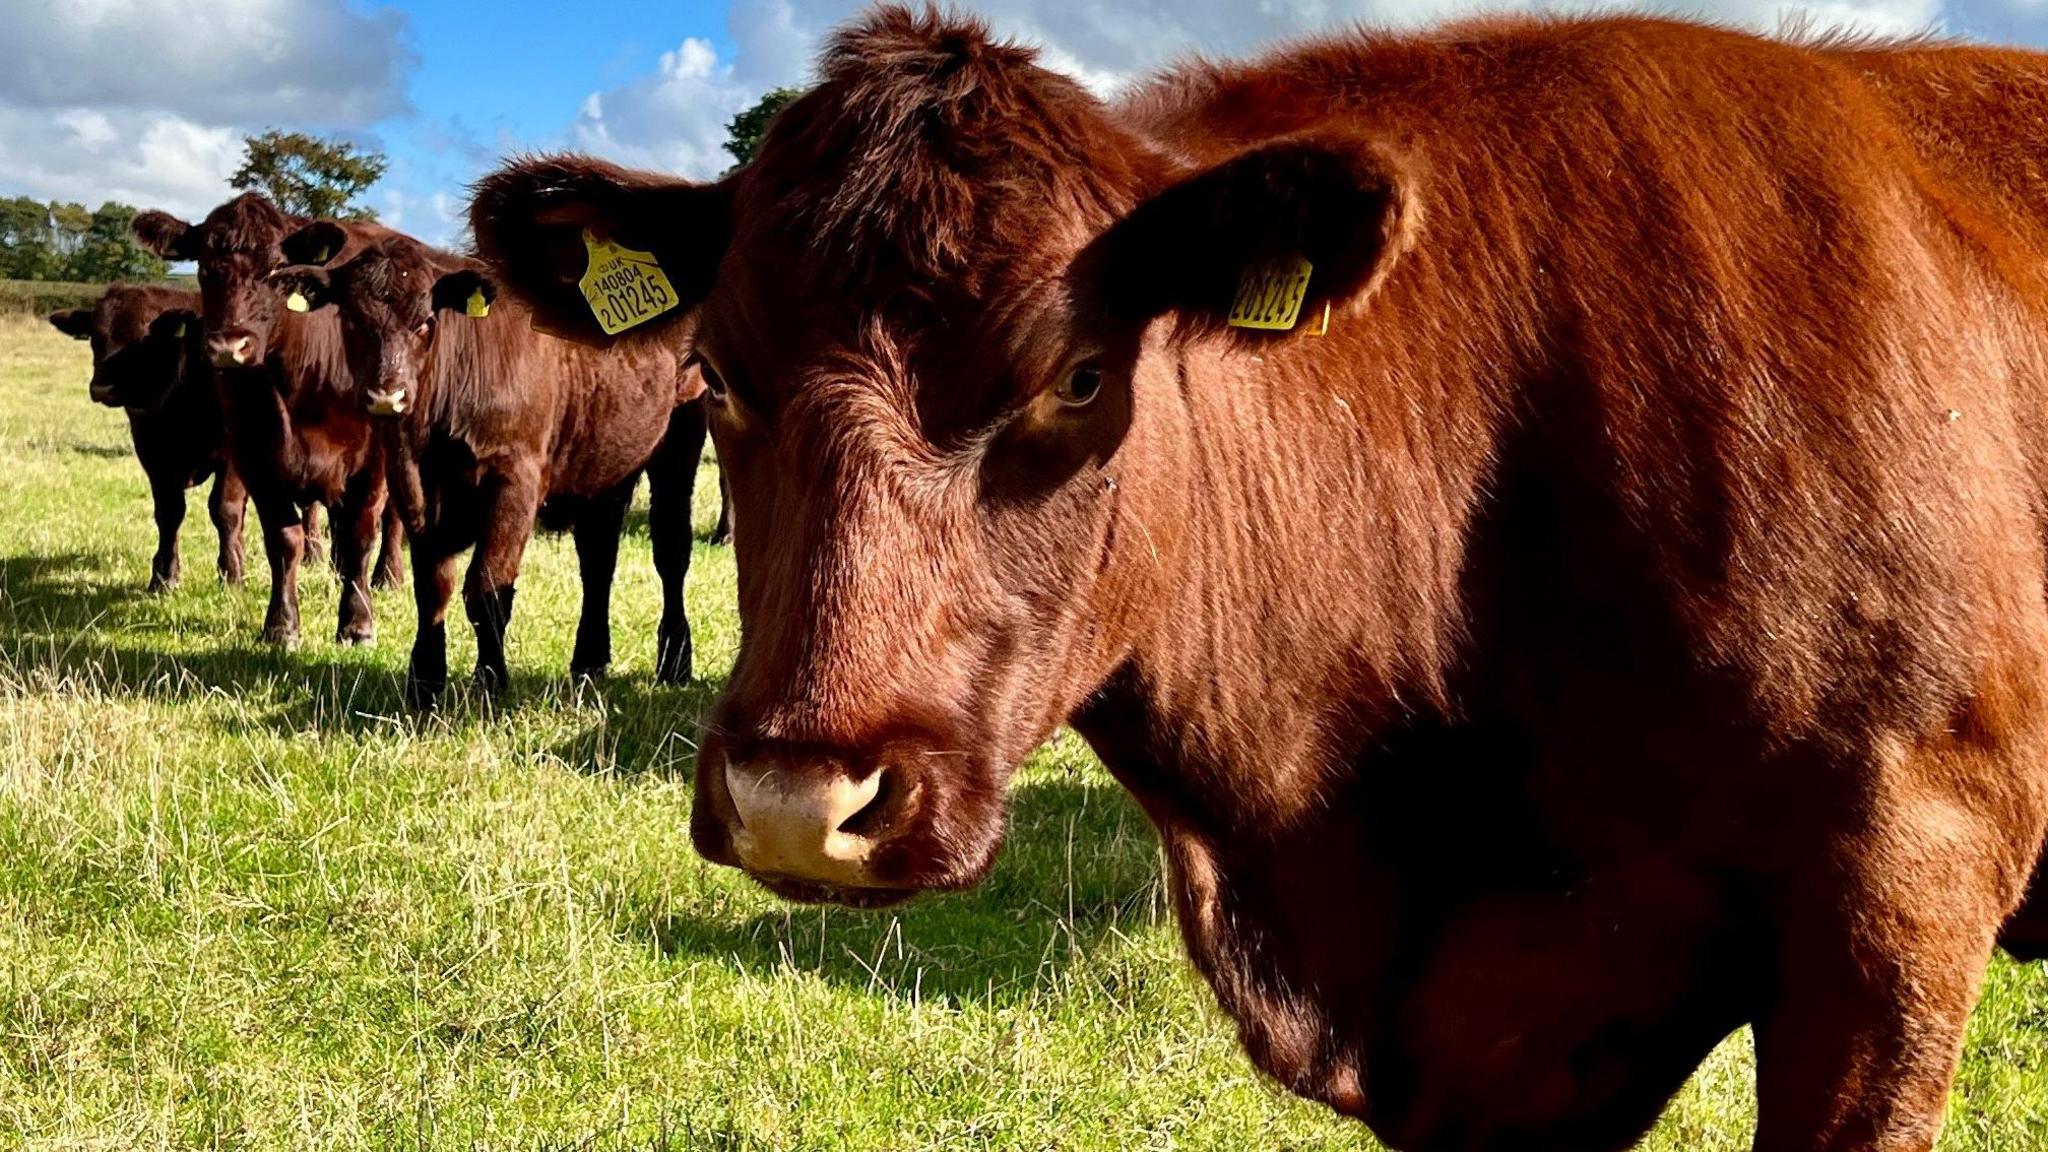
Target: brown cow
column 295, row 436
column 494, row 424
column 1622, row 620
column 149, row 359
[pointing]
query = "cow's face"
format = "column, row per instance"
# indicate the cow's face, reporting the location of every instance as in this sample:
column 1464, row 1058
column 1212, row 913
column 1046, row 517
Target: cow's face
column 237, row 246
column 391, row 294
column 143, row 347
column 945, row 321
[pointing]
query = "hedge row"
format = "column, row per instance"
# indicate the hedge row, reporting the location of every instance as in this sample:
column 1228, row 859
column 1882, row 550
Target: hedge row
column 37, row 297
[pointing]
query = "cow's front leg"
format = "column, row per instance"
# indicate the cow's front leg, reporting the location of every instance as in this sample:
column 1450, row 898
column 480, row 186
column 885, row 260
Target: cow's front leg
column 284, row 546
column 355, row 533
column 167, row 497
column 597, row 561
column 1883, row 935
column 494, row 572
column 227, row 505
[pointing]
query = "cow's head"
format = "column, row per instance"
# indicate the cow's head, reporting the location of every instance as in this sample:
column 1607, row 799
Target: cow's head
column 949, row 319
column 236, row 246
column 146, row 343
column 392, row 293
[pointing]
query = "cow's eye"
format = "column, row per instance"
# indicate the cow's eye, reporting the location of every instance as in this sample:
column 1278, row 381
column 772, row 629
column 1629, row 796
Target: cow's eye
column 713, row 382
column 1082, row 385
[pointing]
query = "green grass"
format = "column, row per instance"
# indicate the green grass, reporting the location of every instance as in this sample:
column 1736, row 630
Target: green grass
column 246, row 903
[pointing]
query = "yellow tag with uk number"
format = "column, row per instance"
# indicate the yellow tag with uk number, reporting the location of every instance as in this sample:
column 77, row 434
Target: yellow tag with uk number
column 1270, row 294
column 624, row 288
column 476, row 306
column 296, row 302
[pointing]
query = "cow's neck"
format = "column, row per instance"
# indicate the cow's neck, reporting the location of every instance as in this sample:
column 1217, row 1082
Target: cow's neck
column 310, row 359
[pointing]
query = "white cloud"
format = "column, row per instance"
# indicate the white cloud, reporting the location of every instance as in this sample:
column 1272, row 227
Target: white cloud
column 673, row 119
column 217, row 61
column 142, row 158
column 146, row 101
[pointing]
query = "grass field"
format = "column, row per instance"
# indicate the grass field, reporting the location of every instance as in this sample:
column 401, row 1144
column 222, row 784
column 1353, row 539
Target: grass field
column 245, row 902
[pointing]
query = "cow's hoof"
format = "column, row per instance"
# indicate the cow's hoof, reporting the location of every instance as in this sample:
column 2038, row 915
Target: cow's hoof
column 672, row 663
column 281, row 637
column 232, row 578
column 578, row 671
column 356, row 637
column 158, row 585
column 490, row 682
column 420, row 696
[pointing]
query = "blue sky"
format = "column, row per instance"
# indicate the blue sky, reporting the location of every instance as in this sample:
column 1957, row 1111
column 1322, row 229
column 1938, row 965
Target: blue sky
column 146, row 101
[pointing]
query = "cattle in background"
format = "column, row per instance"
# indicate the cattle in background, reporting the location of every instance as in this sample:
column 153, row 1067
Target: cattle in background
column 149, row 360
column 1608, row 611
column 493, row 424
column 296, row 436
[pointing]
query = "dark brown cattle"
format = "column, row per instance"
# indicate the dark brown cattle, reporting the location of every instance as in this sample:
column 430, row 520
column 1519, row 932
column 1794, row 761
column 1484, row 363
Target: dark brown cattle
column 494, row 424
column 149, row 360
column 296, row 437
column 1626, row 621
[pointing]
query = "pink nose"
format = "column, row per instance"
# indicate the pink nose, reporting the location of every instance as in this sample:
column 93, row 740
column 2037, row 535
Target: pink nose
column 803, row 825
column 232, row 350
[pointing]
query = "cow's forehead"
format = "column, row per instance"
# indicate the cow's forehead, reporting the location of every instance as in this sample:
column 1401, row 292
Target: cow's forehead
column 241, row 227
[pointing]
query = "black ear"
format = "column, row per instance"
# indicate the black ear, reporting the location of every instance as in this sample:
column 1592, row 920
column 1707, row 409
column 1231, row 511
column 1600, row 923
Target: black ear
column 531, row 218
column 176, row 325
column 305, row 287
column 73, row 322
column 467, row 291
column 317, row 243
column 166, row 235
column 1337, row 202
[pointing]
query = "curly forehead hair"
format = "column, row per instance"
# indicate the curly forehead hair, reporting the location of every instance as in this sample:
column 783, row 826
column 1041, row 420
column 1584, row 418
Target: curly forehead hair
column 930, row 150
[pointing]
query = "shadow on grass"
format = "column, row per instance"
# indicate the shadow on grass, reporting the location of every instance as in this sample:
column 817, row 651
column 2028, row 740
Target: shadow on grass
column 60, row 617
column 1080, row 868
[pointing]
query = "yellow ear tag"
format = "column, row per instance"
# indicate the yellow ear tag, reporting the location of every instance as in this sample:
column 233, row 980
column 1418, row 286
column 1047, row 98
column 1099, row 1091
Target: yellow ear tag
column 180, row 333
column 321, row 256
column 296, row 302
column 624, row 288
column 1271, row 294
column 476, row 306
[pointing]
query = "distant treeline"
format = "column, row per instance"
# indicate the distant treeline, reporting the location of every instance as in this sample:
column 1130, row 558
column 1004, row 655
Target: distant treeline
column 57, row 241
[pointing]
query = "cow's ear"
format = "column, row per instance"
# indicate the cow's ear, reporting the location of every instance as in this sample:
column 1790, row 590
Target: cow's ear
column 1206, row 245
column 467, row 291
column 317, row 243
column 166, row 235
column 305, row 286
column 73, row 322
column 535, row 219
column 178, row 325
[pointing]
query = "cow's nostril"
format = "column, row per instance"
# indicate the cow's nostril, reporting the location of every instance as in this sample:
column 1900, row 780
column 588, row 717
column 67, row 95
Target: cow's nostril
column 876, row 815
column 808, row 825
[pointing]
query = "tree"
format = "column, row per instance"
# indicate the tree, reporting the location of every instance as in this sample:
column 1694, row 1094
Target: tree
column 744, row 134
column 308, row 176
column 59, row 241
column 24, row 239
column 109, row 252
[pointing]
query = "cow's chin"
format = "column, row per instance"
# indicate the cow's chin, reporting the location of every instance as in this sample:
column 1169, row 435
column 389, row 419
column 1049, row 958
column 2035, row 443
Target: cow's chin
column 806, row 892
column 899, row 871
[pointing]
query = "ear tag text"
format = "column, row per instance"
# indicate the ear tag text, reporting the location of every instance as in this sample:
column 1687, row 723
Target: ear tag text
column 624, row 288
column 296, row 302
column 1270, row 294
column 476, row 307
